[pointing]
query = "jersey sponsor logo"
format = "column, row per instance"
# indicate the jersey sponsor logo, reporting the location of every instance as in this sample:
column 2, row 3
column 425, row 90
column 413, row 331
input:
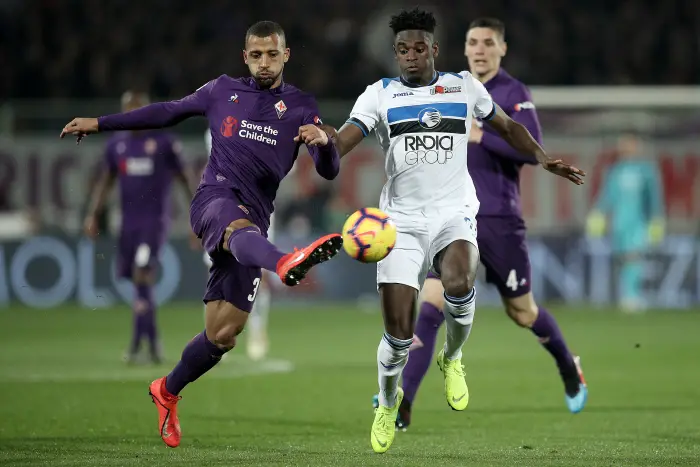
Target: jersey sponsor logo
column 263, row 134
column 445, row 89
column 317, row 120
column 281, row 108
column 524, row 106
column 402, row 94
column 138, row 166
column 429, row 117
column 228, row 126
column 428, row 149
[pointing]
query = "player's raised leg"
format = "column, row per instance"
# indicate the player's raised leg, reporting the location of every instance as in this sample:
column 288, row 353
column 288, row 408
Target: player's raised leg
column 457, row 265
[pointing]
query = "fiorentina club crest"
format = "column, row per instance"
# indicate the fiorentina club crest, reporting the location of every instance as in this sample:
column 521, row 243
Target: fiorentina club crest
column 280, row 108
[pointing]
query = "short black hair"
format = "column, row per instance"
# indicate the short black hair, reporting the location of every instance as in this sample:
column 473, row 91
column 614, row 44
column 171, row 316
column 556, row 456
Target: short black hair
column 491, row 23
column 415, row 19
column 265, row 29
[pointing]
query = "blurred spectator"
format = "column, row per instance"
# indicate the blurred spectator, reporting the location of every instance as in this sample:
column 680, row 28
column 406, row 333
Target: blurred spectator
column 94, row 49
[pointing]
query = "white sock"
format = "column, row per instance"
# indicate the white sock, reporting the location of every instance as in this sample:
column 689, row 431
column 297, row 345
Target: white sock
column 392, row 356
column 459, row 315
column 261, row 310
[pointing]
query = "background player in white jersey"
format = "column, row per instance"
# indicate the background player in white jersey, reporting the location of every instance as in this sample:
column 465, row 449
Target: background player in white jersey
column 422, row 119
column 257, row 343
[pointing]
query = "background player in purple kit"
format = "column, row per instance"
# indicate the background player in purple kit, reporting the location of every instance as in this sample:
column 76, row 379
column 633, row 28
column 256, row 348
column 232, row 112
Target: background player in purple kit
column 495, row 168
column 256, row 126
column 145, row 163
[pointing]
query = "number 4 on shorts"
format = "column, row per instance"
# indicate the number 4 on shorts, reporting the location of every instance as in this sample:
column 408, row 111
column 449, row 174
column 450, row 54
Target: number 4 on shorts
column 512, row 281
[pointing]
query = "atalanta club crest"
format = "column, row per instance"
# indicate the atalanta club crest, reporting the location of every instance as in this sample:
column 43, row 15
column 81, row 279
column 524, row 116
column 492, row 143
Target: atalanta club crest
column 281, row 108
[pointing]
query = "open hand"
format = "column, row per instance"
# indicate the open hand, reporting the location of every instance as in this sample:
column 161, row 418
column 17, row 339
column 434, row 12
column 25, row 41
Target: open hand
column 80, row 128
column 571, row 173
column 311, row 135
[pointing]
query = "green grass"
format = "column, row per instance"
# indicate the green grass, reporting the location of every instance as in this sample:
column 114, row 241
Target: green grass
column 66, row 399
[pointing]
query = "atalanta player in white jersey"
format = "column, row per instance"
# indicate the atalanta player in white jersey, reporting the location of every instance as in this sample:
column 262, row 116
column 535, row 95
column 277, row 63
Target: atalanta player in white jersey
column 257, row 343
column 422, row 120
column 495, row 169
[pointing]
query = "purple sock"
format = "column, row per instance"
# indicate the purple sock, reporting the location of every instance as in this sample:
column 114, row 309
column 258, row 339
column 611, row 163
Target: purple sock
column 199, row 356
column 147, row 315
column 545, row 327
column 419, row 359
column 250, row 248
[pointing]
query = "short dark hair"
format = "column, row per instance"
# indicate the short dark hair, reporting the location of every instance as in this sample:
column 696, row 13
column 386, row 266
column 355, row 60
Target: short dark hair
column 415, row 19
column 491, row 23
column 265, row 29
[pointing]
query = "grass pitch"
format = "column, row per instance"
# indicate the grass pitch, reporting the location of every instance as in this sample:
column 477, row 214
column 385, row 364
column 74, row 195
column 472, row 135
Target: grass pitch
column 67, row 399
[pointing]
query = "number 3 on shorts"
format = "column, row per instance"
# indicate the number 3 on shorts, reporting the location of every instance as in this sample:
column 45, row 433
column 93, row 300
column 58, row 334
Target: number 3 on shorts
column 256, row 285
column 511, row 282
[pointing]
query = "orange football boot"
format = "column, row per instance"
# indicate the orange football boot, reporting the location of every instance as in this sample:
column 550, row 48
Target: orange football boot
column 292, row 267
column 166, row 403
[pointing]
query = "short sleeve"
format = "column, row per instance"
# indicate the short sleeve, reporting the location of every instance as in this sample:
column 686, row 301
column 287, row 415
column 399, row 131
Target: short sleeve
column 365, row 112
column 483, row 105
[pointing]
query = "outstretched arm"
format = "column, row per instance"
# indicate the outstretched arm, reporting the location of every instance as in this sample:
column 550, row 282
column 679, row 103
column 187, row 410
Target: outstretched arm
column 517, row 136
column 153, row 116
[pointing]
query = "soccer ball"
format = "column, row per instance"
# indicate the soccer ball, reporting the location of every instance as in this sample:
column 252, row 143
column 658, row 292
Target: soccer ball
column 369, row 235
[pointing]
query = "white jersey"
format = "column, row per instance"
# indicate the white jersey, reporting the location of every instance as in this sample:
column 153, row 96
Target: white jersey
column 423, row 131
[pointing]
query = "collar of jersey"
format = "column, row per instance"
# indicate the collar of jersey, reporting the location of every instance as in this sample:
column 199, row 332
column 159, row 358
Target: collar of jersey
column 254, row 84
column 413, row 85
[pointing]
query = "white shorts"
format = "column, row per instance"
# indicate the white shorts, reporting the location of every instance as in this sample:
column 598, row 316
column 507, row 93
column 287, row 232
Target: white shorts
column 418, row 243
column 270, row 237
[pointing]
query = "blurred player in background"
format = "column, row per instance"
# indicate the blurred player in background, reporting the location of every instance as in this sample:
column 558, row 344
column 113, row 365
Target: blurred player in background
column 495, row 166
column 145, row 163
column 632, row 200
column 421, row 120
column 256, row 127
column 257, row 343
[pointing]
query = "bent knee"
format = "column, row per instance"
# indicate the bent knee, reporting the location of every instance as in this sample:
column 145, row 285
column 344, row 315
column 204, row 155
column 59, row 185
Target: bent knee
column 522, row 312
column 236, row 225
column 224, row 323
column 458, row 285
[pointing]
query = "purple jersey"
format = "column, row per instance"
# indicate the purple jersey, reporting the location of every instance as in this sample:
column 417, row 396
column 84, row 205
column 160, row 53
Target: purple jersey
column 144, row 163
column 252, row 130
column 493, row 164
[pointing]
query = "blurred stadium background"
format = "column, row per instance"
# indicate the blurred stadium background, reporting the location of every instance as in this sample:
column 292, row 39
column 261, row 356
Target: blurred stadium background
column 596, row 69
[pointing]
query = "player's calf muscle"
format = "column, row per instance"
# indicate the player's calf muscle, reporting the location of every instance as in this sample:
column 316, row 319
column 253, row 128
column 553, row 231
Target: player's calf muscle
column 522, row 310
column 223, row 323
column 398, row 305
column 232, row 227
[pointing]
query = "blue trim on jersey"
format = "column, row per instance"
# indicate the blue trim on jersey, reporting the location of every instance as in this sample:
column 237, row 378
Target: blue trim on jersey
column 357, row 124
column 457, row 75
column 410, row 112
column 492, row 114
column 387, row 81
column 417, row 85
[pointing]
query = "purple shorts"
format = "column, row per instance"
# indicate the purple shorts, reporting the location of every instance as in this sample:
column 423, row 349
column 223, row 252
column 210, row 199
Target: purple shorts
column 211, row 211
column 138, row 248
column 503, row 252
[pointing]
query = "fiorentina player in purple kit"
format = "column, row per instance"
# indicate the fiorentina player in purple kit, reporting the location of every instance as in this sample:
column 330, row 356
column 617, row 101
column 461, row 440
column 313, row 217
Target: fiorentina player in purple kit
column 256, row 126
column 145, row 163
column 495, row 168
